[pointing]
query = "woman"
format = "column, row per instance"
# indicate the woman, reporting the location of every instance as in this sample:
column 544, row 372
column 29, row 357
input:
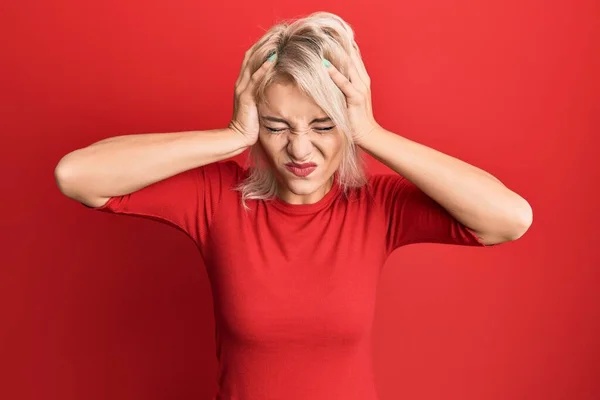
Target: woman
column 294, row 244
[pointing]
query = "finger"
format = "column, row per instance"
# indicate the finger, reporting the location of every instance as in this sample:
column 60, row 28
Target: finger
column 355, row 77
column 351, row 93
column 365, row 79
column 248, row 81
column 243, row 68
column 243, row 77
column 360, row 66
column 362, row 72
column 243, row 82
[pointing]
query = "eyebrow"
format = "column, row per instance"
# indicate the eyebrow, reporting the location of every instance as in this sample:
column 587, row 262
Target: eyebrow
column 275, row 119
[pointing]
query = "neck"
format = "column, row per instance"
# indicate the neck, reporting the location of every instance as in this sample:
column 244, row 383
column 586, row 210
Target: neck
column 289, row 197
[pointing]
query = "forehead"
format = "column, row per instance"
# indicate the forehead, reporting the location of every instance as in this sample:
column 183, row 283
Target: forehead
column 287, row 101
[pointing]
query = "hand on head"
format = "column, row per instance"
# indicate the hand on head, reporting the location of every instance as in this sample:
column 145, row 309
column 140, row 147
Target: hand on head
column 357, row 90
column 245, row 112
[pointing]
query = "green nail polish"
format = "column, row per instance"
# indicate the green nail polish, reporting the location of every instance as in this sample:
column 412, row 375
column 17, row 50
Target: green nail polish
column 272, row 57
column 326, row 63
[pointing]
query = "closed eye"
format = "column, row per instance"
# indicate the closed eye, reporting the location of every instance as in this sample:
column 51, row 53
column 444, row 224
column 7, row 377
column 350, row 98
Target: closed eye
column 274, row 129
column 283, row 129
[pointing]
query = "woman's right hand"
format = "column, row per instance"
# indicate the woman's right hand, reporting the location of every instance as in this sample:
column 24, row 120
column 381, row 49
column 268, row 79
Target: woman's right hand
column 245, row 112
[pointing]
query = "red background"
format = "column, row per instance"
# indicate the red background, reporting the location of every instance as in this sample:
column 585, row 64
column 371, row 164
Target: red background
column 98, row 306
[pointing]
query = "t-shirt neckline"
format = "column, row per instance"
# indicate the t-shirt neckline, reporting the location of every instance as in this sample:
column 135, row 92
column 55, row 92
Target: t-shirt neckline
column 325, row 201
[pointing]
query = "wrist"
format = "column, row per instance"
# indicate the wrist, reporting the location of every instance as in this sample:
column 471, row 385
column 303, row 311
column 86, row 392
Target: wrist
column 240, row 140
column 369, row 134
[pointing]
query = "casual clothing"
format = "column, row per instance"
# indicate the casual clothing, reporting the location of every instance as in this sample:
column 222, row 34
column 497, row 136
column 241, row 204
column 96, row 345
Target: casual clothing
column 294, row 286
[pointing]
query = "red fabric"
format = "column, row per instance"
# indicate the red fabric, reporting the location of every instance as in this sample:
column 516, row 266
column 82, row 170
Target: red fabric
column 294, row 286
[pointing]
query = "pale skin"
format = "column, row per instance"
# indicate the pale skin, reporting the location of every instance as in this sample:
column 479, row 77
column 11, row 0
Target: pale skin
column 123, row 164
column 299, row 140
column 473, row 196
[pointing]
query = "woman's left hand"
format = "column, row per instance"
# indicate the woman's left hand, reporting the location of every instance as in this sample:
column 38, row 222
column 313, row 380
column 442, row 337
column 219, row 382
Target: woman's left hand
column 358, row 96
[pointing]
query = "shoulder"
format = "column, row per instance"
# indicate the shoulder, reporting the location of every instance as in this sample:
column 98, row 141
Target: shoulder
column 382, row 185
column 228, row 171
column 376, row 191
column 226, row 166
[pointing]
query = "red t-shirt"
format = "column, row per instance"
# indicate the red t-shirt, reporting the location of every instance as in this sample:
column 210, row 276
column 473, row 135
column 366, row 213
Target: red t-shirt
column 294, row 286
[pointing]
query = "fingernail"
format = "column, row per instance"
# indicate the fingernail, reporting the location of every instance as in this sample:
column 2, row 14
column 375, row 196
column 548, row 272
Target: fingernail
column 326, row 63
column 272, row 57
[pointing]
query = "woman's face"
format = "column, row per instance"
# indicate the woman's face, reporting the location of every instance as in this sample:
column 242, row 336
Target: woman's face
column 295, row 131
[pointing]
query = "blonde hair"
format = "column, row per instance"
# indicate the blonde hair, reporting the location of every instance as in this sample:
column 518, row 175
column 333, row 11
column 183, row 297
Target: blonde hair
column 300, row 46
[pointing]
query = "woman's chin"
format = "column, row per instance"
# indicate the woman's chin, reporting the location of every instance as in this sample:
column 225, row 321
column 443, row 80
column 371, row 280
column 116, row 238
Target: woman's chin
column 301, row 185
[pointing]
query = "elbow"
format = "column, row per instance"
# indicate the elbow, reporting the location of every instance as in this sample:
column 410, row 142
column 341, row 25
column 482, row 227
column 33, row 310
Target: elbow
column 64, row 176
column 523, row 220
column 510, row 228
column 74, row 182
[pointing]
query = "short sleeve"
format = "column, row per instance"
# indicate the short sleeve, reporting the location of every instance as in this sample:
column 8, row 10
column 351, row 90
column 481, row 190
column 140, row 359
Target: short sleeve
column 186, row 201
column 414, row 217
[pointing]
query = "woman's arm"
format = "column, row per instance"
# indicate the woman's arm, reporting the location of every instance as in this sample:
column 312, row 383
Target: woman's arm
column 473, row 196
column 124, row 164
column 121, row 165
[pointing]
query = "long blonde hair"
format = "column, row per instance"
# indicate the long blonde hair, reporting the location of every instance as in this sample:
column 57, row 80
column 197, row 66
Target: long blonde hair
column 300, row 46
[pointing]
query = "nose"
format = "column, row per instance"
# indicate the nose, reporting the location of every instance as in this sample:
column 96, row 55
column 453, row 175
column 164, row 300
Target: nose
column 299, row 146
